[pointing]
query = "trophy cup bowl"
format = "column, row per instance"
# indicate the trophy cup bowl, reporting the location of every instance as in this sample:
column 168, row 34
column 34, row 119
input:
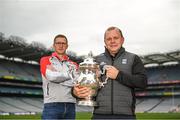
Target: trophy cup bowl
column 88, row 77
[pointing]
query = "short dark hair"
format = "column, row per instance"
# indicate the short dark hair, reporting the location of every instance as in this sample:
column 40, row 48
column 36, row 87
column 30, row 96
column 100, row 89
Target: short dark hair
column 113, row 28
column 60, row 36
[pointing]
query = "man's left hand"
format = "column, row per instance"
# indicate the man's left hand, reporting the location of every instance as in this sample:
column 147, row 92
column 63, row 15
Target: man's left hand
column 111, row 72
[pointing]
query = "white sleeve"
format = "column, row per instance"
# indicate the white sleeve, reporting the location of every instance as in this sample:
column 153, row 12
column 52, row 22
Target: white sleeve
column 73, row 79
column 56, row 76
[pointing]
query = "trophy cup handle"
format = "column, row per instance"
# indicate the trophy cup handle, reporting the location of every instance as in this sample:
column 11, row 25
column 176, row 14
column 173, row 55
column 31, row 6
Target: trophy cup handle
column 101, row 84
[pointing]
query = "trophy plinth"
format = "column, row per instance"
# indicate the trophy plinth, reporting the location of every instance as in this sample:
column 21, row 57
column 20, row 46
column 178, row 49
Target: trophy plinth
column 87, row 103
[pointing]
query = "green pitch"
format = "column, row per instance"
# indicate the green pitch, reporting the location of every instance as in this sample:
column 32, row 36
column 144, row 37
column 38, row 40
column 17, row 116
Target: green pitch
column 87, row 116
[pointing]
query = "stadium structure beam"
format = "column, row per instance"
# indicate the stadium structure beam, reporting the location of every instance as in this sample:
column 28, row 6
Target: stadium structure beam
column 10, row 50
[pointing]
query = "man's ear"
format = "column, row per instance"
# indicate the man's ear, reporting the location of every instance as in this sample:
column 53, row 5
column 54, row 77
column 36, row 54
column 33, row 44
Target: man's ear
column 122, row 40
column 105, row 46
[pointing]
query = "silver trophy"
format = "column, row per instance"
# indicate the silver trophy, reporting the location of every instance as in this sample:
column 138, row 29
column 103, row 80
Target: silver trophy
column 89, row 71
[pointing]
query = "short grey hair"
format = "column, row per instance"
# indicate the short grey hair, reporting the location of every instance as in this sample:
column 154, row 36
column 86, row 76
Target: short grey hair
column 113, row 28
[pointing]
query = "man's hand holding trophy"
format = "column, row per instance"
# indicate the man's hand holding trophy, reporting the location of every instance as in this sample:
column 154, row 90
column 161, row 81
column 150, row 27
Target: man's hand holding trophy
column 88, row 81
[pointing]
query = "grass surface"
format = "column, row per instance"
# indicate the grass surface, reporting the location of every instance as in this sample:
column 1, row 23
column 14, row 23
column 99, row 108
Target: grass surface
column 87, row 116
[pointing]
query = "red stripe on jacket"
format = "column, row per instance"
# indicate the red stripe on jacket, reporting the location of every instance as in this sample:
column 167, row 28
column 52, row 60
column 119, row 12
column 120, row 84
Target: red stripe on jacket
column 45, row 61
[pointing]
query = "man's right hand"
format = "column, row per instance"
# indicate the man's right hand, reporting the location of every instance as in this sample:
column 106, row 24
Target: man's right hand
column 81, row 91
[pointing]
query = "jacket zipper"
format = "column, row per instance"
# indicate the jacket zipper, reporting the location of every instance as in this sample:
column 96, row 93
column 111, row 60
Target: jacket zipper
column 112, row 99
column 48, row 89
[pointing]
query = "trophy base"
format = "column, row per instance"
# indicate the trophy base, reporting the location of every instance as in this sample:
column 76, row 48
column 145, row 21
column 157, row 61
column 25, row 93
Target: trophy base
column 87, row 103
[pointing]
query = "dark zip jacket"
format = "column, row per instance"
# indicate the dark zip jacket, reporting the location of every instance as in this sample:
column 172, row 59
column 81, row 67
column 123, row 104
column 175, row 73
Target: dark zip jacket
column 118, row 96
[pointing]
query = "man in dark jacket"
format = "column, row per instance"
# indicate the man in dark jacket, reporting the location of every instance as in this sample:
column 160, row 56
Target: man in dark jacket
column 125, row 72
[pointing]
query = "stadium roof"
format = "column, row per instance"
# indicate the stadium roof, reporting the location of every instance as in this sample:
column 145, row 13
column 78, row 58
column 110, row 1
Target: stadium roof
column 161, row 58
column 16, row 47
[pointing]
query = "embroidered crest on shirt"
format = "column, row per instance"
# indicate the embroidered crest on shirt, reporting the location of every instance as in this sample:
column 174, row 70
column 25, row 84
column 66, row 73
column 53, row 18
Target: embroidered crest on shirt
column 124, row 61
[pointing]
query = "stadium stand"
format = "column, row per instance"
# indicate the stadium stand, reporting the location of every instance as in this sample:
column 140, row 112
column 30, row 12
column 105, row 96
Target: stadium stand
column 163, row 92
column 20, row 79
column 21, row 104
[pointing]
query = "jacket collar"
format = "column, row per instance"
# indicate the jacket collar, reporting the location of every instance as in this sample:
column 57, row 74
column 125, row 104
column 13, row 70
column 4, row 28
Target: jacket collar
column 64, row 57
column 121, row 50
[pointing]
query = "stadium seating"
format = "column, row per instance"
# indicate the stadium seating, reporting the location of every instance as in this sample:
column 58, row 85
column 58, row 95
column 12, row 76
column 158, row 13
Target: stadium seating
column 20, row 71
column 158, row 105
column 20, row 104
column 164, row 73
column 21, row 90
